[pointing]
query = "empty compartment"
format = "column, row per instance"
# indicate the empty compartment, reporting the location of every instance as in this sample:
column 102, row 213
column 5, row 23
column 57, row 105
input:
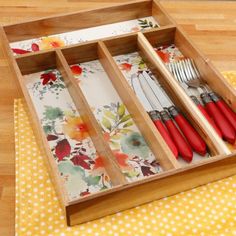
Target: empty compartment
column 132, row 60
column 83, row 26
column 76, row 156
column 120, row 131
column 174, row 48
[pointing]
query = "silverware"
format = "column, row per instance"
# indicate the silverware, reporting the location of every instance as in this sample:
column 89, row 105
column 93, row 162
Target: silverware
column 156, row 92
column 224, row 118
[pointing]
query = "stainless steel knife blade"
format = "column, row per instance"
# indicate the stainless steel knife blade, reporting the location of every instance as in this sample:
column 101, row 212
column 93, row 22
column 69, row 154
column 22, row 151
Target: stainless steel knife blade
column 140, row 94
column 157, row 91
column 151, row 97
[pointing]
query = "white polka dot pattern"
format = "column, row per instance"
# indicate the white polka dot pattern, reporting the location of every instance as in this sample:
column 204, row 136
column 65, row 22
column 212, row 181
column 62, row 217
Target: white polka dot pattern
column 207, row 210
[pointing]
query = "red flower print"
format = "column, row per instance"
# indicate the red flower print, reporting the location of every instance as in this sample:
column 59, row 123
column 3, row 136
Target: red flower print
column 20, row 51
column 107, row 136
column 62, row 149
column 51, row 137
column 98, row 163
column 84, row 193
column 163, row 56
column 35, row 47
column 125, row 66
column 48, row 77
column 76, row 70
column 81, row 160
column 121, row 159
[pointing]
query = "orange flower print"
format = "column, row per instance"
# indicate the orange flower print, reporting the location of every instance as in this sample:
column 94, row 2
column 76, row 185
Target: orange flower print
column 76, row 70
column 50, row 42
column 107, row 136
column 135, row 29
column 163, row 56
column 126, row 67
column 75, row 128
column 98, row 163
column 121, row 159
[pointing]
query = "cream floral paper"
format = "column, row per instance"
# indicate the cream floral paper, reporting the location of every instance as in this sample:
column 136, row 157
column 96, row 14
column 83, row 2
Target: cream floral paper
column 79, row 36
column 80, row 166
column 129, row 147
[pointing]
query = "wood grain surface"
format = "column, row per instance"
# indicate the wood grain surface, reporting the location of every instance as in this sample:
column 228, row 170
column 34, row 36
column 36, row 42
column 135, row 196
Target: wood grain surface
column 211, row 25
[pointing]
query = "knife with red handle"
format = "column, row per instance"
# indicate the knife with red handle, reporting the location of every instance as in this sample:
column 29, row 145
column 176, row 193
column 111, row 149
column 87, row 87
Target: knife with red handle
column 183, row 147
column 194, row 139
column 224, row 108
column 177, row 138
column 224, row 125
column 154, row 115
column 156, row 118
column 208, row 118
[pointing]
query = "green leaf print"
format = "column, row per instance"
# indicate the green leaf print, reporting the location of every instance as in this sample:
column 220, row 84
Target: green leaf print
column 125, row 118
column 92, row 180
column 47, row 129
column 121, row 110
column 109, row 114
column 52, row 113
column 106, row 123
column 128, row 124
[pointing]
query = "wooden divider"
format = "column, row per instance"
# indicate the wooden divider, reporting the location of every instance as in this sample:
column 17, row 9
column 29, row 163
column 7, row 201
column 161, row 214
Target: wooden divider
column 214, row 142
column 94, row 128
column 140, row 116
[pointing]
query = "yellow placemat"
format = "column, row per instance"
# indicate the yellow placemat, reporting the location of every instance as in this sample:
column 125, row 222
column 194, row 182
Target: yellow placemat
column 207, row 210
column 230, row 77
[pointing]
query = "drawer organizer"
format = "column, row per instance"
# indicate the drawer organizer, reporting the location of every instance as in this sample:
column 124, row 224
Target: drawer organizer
column 104, row 152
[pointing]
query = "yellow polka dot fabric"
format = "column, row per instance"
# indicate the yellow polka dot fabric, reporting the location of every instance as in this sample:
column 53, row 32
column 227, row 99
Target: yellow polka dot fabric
column 207, row 210
column 230, row 76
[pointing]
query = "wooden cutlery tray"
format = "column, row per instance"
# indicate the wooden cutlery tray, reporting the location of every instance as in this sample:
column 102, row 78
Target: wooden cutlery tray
column 103, row 151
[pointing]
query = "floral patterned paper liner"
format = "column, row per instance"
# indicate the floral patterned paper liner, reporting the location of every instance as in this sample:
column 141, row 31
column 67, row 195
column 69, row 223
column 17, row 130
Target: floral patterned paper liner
column 79, row 36
column 81, row 168
column 132, row 64
column 130, row 149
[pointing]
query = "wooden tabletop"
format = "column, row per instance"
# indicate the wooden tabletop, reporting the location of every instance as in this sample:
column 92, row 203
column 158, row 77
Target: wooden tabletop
column 211, row 25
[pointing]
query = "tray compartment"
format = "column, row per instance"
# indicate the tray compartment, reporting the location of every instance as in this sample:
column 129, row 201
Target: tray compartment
column 118, row 125
column 79, row 27
column 179, row 47
column 80, row 155
column 117, row 49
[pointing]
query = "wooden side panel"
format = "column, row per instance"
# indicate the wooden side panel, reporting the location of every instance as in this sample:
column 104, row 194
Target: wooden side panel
column 163, row 36
column 141, row 118
column 159, row 187
column 208, row 72
column 160, row 14
column 79, row 20
column 215, row 144
column 36, row 62
column 11, row 61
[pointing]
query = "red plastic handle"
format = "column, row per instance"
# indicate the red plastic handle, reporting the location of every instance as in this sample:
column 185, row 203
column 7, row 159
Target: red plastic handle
column 228, row 113
column 194, row 139
column 166, row 136
column 183, row 147
column 226, row 128
column 209, row 119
